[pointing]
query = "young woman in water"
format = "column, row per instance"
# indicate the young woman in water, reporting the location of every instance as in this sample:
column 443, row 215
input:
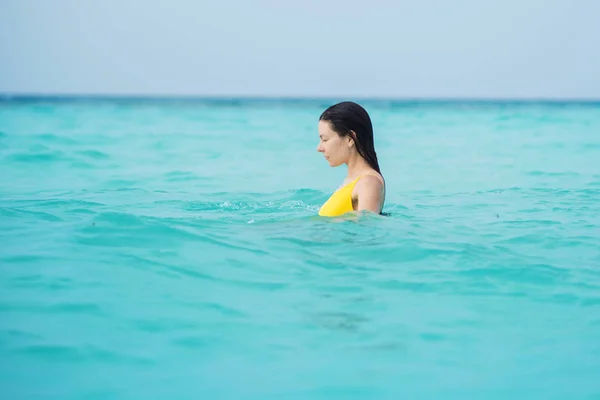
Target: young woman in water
column 346, row 137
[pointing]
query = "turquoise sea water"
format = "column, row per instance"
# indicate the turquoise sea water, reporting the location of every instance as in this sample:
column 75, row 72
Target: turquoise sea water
column 172, row 249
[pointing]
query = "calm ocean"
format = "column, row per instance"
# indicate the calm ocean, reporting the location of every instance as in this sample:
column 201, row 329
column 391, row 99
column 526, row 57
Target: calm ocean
column 172, row 249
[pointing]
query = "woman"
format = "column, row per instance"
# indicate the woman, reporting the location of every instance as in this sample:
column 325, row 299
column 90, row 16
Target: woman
column 346, row 137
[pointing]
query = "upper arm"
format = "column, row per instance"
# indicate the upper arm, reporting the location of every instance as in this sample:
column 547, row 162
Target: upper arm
column 369, row 191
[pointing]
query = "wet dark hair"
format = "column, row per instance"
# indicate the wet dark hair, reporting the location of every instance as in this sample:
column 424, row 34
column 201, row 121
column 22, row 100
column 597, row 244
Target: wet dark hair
column 348, row 117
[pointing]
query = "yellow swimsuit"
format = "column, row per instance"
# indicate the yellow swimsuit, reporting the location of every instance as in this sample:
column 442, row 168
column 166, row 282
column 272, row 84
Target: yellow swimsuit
column 340, row 201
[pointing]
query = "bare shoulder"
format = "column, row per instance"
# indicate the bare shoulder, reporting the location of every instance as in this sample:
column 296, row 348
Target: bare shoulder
column 369, row 192
column 370, row 182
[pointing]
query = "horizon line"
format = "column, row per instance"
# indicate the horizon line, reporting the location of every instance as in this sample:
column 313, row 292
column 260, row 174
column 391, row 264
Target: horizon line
column 132, row 96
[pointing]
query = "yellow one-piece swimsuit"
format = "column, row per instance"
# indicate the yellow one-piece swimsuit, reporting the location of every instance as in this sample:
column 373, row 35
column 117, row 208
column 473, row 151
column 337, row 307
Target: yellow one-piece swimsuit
column 340, row 201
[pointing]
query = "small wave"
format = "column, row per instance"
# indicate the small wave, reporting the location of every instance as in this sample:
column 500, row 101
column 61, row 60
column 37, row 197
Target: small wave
column 590, row 146
column 72, row 353
column 344, row 321
column 94, row 154
column 122, row 184
column 55, row 139
column 22, row 259
column 223, row 310
column 183, row 176
column 194, row 342
column 553, row 174
column 79, row 164
column 42, row 157
column 57, row 210
column 35, row 215
column 256, row 207
column 120, row 229
column 84, row 308
column 22, row 334
column 165, row 269
column 154, row 326
column 60, row 203
column 541, row 274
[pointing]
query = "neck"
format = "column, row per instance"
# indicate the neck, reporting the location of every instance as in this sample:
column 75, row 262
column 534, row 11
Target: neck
column 356, row 165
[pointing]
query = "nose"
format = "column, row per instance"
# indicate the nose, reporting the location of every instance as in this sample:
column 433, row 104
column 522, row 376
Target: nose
column 320, row 148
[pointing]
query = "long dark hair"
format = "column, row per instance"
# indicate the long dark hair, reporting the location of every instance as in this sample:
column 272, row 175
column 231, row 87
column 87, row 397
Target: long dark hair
column 347, row 117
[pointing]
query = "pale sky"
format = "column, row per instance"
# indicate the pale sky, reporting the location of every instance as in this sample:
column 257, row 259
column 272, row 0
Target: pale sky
column 299, row 48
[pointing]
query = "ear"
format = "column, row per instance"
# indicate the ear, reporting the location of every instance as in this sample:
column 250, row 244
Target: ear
column 351, row 138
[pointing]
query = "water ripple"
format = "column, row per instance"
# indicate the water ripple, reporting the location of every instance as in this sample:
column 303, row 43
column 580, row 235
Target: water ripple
column 132, row 242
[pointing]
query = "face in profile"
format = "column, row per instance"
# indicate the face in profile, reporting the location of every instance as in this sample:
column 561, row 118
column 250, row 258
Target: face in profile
column 335, row 148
